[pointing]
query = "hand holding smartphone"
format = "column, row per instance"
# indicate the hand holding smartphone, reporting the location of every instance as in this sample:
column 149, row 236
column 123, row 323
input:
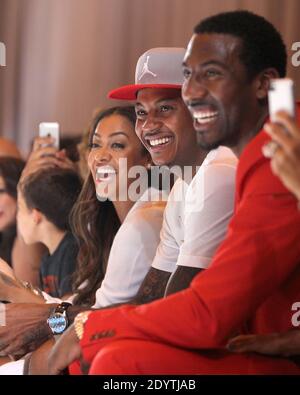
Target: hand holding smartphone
column 281, row 97
column 50, row 129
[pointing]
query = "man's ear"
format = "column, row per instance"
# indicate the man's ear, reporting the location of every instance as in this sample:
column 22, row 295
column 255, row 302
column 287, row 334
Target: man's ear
column 37, row 216
column 263, row 82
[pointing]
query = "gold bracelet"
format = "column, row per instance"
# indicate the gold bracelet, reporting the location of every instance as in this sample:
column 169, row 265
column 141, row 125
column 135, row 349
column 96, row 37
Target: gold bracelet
column 33, row 289
column 79, row 322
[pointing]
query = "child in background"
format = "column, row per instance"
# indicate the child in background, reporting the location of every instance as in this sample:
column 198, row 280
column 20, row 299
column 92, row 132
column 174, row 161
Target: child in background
column 45, row 199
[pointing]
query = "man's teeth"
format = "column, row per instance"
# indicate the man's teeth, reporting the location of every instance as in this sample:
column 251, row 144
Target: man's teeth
column 156, row 142
column 204, row 117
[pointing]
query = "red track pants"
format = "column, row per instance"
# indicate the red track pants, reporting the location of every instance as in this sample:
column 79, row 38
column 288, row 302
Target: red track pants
column 140, row 357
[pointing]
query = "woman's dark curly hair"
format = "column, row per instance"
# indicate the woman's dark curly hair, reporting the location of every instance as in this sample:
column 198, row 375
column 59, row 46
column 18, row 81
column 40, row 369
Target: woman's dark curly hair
column 95, row 225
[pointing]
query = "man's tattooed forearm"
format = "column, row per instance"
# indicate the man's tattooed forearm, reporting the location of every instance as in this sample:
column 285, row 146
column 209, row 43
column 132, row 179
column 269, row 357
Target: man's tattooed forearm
column 181, row 279
column 153, row 286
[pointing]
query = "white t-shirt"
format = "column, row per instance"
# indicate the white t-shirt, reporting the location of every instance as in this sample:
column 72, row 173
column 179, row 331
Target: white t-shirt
column 132, row 251
column 194, row 227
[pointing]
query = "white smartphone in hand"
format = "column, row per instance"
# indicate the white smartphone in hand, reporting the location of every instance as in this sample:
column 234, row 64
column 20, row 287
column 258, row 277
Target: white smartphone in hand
column 281, row 97
column 50, row 129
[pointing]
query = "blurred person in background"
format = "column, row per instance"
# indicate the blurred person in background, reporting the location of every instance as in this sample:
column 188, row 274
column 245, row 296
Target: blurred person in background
column 83, row 152
column 25, row 259
column 10, row 173
column 9, row 148
column 45, row 201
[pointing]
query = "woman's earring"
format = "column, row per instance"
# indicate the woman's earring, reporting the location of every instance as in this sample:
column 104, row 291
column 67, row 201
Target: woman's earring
column 148, row 166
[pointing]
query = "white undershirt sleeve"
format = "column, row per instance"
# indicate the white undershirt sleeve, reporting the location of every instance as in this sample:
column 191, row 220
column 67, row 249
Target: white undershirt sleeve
column 208, row 210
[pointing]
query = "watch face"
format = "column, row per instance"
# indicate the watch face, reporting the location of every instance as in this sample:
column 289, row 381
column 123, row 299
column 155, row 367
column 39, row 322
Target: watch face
column 57, row 323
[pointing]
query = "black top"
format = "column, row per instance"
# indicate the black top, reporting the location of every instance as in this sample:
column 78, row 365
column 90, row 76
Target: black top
column 57, row 269
column 7, row 239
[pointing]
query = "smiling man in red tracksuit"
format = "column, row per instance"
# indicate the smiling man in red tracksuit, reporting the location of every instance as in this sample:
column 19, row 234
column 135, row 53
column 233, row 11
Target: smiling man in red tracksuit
column 254, row 278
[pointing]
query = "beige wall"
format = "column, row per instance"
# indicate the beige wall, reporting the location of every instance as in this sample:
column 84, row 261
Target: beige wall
column 64, row 55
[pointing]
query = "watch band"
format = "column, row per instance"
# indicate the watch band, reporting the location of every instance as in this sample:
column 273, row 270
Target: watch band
column 62, row 307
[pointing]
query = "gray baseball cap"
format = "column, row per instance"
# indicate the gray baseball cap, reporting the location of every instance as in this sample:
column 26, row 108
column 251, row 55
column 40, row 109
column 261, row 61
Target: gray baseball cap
column 156, row 68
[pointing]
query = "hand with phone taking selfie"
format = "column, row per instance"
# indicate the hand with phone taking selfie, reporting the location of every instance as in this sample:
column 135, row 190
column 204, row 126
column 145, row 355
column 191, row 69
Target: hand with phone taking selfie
column 50, row 129
column 285, row 158
column 45, row 154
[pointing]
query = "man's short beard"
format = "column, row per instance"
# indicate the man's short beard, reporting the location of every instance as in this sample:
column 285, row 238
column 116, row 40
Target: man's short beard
column 229, row 141
column 209, row 146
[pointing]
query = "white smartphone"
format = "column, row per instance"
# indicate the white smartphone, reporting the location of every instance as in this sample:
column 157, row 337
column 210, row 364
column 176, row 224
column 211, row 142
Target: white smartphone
column 50, row 129
column 281, row 97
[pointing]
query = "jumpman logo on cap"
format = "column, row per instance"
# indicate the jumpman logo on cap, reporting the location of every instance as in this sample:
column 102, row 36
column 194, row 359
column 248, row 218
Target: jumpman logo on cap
column 146, row 70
